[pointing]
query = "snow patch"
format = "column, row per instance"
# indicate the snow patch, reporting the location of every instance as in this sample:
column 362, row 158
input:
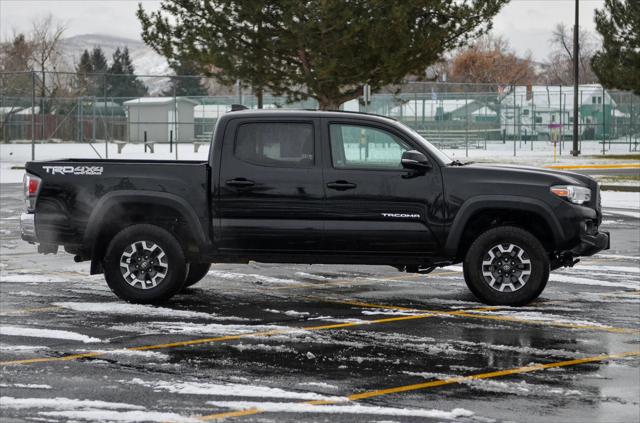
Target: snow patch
column 558, row 277
column 231, row 390
column 29, row 278
column 135, row 310
column 188, row 328
column 22, row 348
column 46, row 333
column 250, row 277
column 118, row 416
column 60, row 403
column 263, row 347
column 288, row 407
column 25, row 386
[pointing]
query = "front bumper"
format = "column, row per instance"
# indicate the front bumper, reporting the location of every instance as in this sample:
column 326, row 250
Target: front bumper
column 591, row 244
column 28, row 227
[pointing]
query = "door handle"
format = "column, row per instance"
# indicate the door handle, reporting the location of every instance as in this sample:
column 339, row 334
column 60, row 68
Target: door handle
column 341, row 185
column 240, row 182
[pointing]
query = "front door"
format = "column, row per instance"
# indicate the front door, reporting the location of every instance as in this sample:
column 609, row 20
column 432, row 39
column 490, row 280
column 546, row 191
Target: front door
column 373, row 204
column 271, row 194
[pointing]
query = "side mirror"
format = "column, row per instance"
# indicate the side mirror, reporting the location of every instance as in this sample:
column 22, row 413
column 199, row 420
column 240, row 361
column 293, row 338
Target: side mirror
column 415, row 160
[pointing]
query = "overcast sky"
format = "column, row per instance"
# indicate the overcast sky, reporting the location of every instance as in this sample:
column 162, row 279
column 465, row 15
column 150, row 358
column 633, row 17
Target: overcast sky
column 527, row 24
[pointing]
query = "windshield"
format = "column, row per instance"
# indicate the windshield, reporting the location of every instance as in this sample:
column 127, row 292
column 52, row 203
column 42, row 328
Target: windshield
column 442, row 157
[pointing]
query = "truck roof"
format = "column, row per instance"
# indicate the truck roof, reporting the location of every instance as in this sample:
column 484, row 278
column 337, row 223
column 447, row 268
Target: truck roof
column 307, row 113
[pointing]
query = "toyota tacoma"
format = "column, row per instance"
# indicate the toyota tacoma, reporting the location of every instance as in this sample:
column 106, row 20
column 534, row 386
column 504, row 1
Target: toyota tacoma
column 312, row 187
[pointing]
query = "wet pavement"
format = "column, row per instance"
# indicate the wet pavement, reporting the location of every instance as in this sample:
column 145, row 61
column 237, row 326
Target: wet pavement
column 279, row 343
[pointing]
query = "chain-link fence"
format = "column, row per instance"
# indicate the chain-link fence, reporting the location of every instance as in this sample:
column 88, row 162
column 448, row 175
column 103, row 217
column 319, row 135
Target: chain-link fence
column 154, row 111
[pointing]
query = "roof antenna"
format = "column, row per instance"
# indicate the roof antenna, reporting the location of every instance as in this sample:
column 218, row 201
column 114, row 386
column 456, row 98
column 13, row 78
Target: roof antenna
column 236, row 107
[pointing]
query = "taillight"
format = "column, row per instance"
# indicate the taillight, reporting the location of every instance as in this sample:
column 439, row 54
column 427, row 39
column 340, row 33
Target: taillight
column 31, row 185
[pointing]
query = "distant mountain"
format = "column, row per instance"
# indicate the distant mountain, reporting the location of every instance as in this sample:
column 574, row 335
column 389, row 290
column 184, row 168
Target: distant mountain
column 145, row 60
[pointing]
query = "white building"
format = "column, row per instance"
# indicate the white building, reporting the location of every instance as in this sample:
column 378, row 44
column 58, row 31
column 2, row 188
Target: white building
column 160, row 119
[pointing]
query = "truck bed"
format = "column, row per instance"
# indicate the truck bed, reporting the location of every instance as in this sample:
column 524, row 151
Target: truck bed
column 75, row 191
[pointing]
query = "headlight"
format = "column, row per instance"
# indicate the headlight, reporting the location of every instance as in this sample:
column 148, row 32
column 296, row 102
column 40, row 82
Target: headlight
column 573, row 193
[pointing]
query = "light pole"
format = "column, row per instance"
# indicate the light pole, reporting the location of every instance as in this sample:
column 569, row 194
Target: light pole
column 576, row 79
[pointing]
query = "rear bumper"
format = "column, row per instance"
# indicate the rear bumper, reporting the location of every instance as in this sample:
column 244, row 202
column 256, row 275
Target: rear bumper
column 591, row 244
column 28, row 227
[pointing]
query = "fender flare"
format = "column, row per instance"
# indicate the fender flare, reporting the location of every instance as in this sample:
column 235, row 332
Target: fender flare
column 506, row 202
column 117, row 198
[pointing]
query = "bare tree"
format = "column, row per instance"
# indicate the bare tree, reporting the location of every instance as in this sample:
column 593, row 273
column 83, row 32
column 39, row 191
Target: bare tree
column 559, row 64
column 491, row 60
column 45, row 37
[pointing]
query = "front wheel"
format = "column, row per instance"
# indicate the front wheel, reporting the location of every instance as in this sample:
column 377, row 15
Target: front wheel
column 506, row 266
column 145, row 264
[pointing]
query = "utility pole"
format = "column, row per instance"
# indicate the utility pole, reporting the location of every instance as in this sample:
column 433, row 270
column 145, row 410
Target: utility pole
column 576, row 79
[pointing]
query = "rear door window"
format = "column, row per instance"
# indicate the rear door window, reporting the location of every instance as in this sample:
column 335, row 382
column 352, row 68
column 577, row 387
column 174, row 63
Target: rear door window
column 280, row 144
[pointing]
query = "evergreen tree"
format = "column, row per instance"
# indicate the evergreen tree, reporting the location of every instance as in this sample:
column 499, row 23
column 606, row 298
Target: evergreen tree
column 84, row 69
column 324, row 49
column 122, row 80
column 186, row 82
column 618, row 63
column 99, row 61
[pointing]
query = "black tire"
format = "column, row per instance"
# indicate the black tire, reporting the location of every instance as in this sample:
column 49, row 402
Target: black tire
column 197, row 271
column 512, row 285
column 140, row 247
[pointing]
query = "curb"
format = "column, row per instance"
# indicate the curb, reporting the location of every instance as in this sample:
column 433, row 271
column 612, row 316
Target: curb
column 596, row 166
column 620, row 188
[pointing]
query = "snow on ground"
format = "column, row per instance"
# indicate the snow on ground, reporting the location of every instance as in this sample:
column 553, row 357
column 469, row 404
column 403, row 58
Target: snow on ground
column 263, row 347
column 139, row 310
column 322, row 385
column 538, row 317
column 501, row 387
column 249, row 277
column 25, row 386
column 288, row 407
column 30, row 332
column 154, row 355
column 64, row 403
column 29, row 278
column 291, row 313
column 231, row 390
column 621, row 200
column 581, row 280
column 188, row 328
column 90, row 410
column 21, row 348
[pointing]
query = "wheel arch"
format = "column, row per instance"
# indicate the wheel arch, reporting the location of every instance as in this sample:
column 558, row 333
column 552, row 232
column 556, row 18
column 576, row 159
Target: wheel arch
column 120, row 209
column 478, row 214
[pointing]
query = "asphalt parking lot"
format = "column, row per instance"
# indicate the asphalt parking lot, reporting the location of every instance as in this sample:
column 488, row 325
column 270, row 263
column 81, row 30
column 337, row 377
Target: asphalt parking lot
column 297, row 343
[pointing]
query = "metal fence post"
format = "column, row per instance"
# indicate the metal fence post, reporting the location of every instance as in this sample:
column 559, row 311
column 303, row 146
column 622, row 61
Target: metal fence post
column 93, row 118
column 175, row 118
column 33, row 115
column 104, row 115
column 603, row 120
column 466, row 127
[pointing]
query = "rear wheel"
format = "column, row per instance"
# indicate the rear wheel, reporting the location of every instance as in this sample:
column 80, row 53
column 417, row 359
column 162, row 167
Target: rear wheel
column 197, row 271
column 144, row 264
column 506, row 266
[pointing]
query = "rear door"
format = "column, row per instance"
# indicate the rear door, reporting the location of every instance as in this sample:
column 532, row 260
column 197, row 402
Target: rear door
column 271, row 193
column 373, row 205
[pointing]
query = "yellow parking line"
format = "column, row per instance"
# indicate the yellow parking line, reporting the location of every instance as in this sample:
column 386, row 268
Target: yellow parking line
column 597, row 166
column 436, row 383
column 422, row 315
column 477, row 314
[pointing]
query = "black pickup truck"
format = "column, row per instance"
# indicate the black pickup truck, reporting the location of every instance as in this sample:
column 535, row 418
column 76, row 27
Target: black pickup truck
column 313, row 187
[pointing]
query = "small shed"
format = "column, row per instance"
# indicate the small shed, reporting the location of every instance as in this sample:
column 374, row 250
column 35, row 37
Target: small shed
column 161, row 118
